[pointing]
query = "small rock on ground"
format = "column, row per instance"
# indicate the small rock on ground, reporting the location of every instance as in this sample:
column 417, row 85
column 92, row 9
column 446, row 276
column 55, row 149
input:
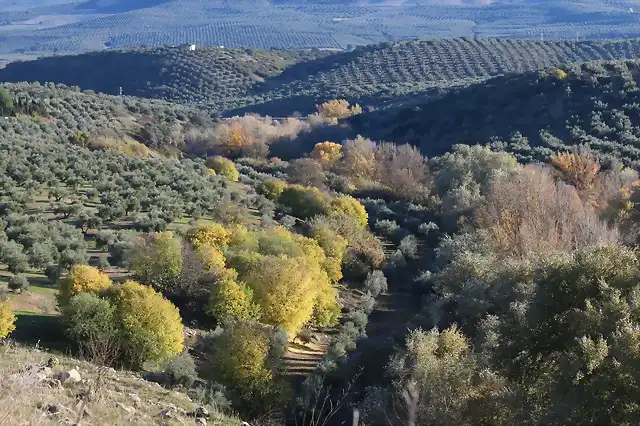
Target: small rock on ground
column 69, row 376
column 135, row 398
column 129, row 409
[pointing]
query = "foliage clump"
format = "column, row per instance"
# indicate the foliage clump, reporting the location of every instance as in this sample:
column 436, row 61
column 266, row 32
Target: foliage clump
column 156, row 258
column 231, row 301
column 213, row 235
column 7, row 319
column 150, row 325
column 338, row 108
column 223, row 167
column 82, row 279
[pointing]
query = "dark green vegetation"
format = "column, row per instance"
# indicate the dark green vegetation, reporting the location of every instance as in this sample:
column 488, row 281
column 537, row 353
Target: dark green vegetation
column 75, row 26
column 222, row 77
column 279, row 83
column 531, row 115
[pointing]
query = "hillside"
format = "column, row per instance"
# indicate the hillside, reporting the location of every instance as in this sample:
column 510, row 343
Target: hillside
column 279, row 83
column 175, row 74
column 35, row 28
column 123, row 397
column 532, row 114
column 61, row 112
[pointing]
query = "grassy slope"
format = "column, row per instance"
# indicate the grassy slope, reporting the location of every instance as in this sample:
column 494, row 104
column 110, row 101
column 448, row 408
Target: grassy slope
column 279, row 83
column 596, row 105
column 19, row 399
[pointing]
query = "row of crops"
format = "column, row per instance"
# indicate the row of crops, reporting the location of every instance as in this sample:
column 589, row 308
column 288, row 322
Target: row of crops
column 456, row 59
column 323, row 24
column 253, row 36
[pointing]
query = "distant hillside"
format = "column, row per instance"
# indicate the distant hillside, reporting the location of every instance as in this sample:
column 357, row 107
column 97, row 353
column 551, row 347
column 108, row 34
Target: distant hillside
column 374, row 75
column 596, row 104
column 209, row 74
column 279, row 83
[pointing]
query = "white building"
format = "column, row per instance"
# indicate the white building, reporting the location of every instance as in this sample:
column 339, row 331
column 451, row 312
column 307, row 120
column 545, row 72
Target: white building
column 192, row 47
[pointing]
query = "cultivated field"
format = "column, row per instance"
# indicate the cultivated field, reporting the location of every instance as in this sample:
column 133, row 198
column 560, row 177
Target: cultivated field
column 41, row 29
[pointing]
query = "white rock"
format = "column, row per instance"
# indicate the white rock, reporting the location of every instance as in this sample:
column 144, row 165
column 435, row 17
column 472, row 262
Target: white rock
column 71, row 376
column 136, row 399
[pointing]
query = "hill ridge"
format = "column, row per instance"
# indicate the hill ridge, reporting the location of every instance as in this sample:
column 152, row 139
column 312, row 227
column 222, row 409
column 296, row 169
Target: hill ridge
column 280, row 82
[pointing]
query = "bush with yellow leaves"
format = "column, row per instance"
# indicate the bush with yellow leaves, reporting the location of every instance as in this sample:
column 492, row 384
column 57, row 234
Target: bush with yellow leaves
column 243, row 360
column 338, row 108
column 334, row 246
column 286, row 289
column 271, row 188
column 579, row 170
column 288, row 276
column 559, row 74
column 304, row 201
column 7, row 319
column 232, row 300
column 327, row 153
column 223, row 167
column 212, row 234
column 211, row 257
column 150, row 325
column 81, row 279
column 346, row 204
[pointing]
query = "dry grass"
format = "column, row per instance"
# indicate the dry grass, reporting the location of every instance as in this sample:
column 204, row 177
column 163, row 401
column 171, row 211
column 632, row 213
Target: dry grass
column 101, row 398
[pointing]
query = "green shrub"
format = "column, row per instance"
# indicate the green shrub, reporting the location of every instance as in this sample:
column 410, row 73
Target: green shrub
column 304, row 201
column 180, row 370
column 17, row 283
column 375, row 283
column 88, row 317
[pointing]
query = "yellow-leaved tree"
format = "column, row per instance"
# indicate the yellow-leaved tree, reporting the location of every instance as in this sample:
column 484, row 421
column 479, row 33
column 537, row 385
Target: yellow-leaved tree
column 223, row 167
column 326, row 153
column 213, row 235
column 232, row 300
column 7, row 319
column 348, row 205
column 81, row 279
column 271, row 188
column 334, row 246
column 211, row 257
column 286, row 289
column 151, row 327
column 242, row 361
column 338, row 108
column 286, row 275
column 579, row 170
column 304, row 201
